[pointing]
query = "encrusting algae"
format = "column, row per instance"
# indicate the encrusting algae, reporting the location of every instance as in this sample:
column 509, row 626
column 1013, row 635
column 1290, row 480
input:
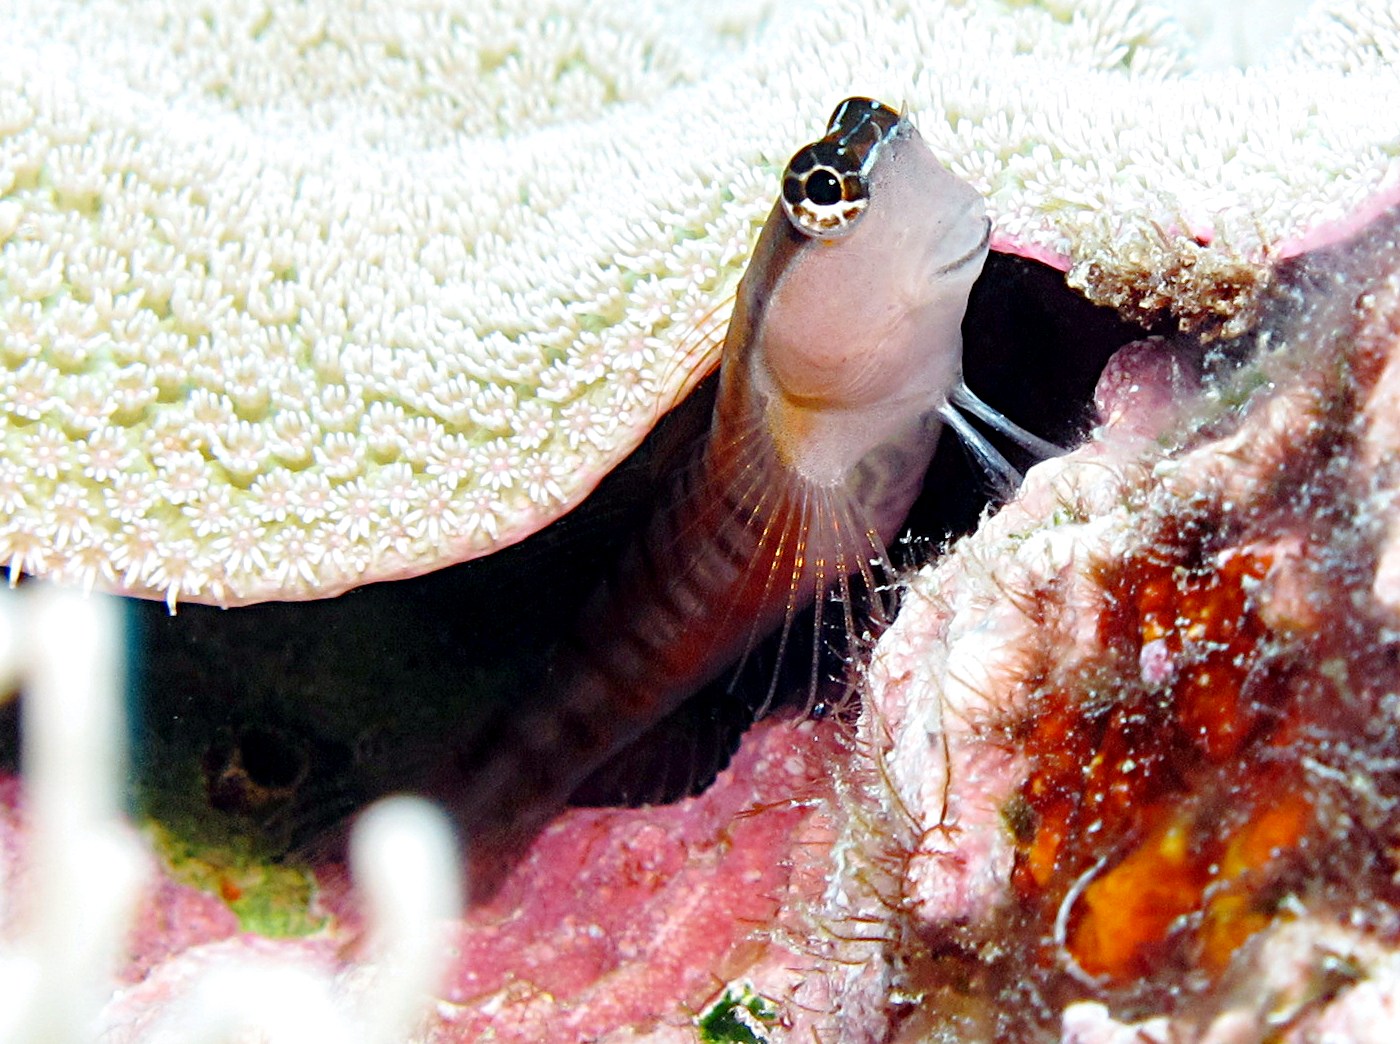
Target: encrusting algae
column 1156, row 770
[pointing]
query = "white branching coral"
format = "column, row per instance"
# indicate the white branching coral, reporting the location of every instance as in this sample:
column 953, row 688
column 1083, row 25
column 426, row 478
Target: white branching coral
column 297, row 296
column 63, row 925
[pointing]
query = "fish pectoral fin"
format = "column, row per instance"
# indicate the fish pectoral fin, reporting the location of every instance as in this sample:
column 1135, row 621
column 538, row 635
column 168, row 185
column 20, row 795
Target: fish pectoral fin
column 964, row 399
column 1003, row 479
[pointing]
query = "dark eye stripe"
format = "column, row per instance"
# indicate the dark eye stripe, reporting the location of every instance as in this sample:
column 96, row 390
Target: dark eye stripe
column 803, row 161
column 860, row 124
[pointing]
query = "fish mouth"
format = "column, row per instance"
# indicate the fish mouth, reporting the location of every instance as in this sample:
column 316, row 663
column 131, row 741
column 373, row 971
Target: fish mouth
column 979, row 249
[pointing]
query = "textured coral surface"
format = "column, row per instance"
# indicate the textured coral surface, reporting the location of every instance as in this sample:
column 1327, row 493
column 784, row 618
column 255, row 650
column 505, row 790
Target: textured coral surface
column 298, row 297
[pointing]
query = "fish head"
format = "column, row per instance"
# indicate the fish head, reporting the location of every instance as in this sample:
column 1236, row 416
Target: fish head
column 849, row 318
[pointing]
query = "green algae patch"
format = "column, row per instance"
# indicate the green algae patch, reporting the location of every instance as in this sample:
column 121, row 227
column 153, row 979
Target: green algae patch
column 268, row 898
column 740, row 1016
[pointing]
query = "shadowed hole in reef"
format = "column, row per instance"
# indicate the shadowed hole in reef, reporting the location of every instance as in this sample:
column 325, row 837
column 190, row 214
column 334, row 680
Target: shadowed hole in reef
column 256, row 768
column 286, row 717
column 269, row 760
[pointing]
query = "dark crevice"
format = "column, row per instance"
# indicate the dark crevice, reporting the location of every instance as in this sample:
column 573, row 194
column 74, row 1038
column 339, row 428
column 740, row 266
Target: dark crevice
column 377, row 674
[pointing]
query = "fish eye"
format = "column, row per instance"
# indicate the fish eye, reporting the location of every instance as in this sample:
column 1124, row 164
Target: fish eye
column 823, row 187
column 822, row 197
column 826, row 184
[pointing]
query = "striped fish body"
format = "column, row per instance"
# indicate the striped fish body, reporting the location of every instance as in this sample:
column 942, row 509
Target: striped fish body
column 843, row 346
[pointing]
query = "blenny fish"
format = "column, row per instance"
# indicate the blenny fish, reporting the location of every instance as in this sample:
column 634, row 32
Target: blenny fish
column 842, row 361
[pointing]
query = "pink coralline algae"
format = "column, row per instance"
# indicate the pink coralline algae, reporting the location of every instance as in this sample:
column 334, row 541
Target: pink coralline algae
column 622, row 924
column 617, row 925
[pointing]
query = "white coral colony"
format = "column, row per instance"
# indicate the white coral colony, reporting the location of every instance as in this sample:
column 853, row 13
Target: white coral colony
column 294, row 298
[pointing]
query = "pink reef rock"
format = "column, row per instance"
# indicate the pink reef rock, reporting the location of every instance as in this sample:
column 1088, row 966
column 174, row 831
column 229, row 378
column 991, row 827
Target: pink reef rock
column 622, row 924
column 617, row 925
